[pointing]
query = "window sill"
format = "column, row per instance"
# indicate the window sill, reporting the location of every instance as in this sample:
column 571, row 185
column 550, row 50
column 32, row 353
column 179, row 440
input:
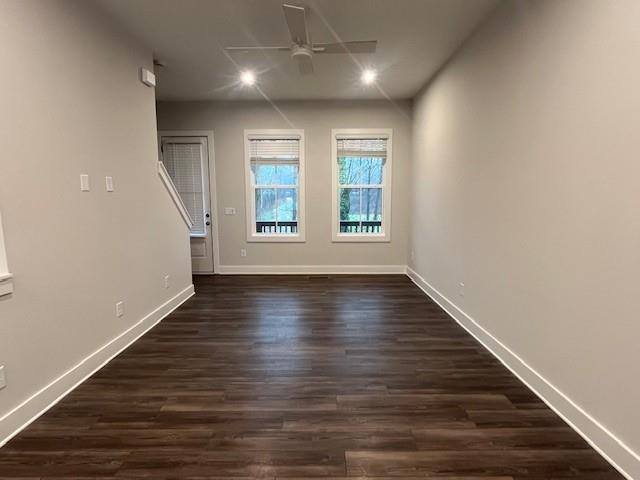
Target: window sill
column 255, row 238
column 356, row 237
column 6, row 284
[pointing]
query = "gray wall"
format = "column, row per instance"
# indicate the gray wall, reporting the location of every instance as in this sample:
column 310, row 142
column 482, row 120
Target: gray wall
column 228, row 121
column 72, row 103
column 525, row 189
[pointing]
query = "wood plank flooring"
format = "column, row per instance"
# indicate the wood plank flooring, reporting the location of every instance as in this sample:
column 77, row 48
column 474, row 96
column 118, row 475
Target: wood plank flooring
column 299, row 377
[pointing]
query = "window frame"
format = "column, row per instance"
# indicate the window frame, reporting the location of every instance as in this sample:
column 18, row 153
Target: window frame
column 387, row 170
column 250, row 188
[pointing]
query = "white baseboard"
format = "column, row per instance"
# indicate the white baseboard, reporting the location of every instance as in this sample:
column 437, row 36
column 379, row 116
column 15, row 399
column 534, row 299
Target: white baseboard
column 30, row 409
column 614, row 450
column 310, row 269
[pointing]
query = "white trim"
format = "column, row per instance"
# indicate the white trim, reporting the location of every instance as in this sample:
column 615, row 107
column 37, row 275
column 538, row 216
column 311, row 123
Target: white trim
column 311, row 269
column 18, row 418
column 6, row 283
column 250, row 206
column 173, row 192
column 277, row 238
column 387, row 182
column 213, row 198
column 359, row 237
column 614, row 450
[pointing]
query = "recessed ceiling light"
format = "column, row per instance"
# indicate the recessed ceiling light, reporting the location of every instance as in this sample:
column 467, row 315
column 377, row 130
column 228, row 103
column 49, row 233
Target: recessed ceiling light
column 248, row 77
column 368, row 76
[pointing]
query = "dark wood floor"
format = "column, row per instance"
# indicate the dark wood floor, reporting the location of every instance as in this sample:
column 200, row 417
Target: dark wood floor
column 298, row 377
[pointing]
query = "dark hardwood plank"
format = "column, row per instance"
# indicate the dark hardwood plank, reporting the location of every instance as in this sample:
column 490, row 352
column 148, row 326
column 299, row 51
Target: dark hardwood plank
column 497, row 438
column 298, row 377
column 562, row 463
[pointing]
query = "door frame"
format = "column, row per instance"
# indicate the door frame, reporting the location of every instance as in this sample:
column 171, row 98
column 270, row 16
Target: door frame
column 213, row 199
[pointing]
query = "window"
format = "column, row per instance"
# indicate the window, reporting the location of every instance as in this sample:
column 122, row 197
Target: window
column 361, row 167
column 275, row 185
column 184, row 158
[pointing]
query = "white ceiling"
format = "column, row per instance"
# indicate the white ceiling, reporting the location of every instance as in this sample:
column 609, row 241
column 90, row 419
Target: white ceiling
column 414, row 38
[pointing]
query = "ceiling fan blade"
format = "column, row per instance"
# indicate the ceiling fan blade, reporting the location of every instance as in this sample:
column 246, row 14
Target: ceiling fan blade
column 297, row 23
column 363, row 46
column 256, row 49
column 305, row 65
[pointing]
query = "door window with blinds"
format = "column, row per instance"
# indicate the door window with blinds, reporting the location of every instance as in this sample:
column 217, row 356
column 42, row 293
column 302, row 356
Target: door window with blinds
column 275, row 185
column 361, row 184
column 184, row 158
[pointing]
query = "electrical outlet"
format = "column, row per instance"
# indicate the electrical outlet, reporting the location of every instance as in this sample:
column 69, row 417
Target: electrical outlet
column 461, row 289
column 109, row 183
column 119, row 309
column 166, row 281
column 229, row 211
column 413, row 255
column 243, row 252
column 3, row 380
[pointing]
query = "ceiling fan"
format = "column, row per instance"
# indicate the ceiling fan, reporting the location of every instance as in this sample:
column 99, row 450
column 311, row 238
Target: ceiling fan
column 301, row 48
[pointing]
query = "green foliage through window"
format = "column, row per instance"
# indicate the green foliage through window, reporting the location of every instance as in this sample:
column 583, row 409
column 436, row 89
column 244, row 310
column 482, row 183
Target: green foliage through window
column 360, row 193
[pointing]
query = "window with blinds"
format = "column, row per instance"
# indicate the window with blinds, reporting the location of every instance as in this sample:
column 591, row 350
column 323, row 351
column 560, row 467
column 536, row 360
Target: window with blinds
column 183, row 161
column 274, row 163
column 361, row 184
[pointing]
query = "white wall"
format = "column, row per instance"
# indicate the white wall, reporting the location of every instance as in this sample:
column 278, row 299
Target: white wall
column 72, row 103
column 525, row 189
column 228, row 122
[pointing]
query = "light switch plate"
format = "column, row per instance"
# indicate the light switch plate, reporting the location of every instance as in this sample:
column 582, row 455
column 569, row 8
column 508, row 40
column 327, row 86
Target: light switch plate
column 84, row 182
column 3, row 380
column 109, row 183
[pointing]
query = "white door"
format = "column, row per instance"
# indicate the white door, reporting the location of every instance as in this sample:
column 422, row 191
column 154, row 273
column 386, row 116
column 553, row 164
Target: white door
column 186, row 159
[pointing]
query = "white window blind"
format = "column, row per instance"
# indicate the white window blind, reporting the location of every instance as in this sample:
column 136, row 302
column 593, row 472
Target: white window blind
column 183, row 162
column 274, row 150
column 362, row 147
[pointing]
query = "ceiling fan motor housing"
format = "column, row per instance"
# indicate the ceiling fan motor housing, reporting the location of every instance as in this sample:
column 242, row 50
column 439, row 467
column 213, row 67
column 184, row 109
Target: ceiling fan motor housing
column 298, row 51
